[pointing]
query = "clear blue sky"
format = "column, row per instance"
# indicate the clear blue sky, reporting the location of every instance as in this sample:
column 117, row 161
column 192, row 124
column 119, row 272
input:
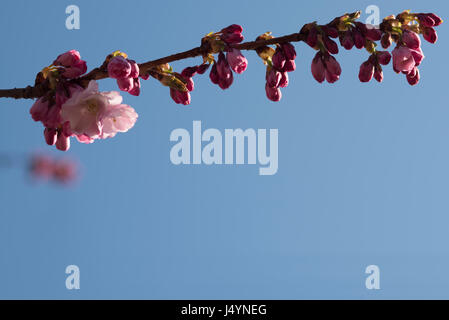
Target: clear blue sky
column 363, row 168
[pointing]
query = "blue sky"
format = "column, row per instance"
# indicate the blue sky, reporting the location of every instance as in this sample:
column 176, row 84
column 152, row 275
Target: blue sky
column 363, row 168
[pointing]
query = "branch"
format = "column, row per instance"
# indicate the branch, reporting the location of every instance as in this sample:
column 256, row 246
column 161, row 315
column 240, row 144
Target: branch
column 32, row 92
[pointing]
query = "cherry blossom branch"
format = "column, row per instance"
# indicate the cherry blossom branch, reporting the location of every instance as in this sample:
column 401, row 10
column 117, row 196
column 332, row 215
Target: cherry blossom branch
column 32, row 92
column 70, row 104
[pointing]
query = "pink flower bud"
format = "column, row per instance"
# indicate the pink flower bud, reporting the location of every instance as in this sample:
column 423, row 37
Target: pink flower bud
column 274, row 94
column 411, row 39
column 372, row 33
column 330, row 31
column 189, row 72
column 39, row 110
column 347, row 41
column 413, row 76
column 436, row 19
column 75, row 70
column 134, row 69
column 213, row 75
column 359, row 39
column 284, row 80
column 418, row 56
column 203, row 68
column 318, row 68
column 119, row 68
column 289, row 66
column 180, row 97
column 53, row 117
column 332, row 65
column 366, row 71
column 383, row 57
column 236, row 60
column 289, row 51
column 63, row 142
column 232, row 38
column 386, row 40
column 378, row 75
column 403, row 60
column 426, row 20
column 135, row 90
column 50, row 136
column 273, row 78
column 278, row 59
column 67, row 59
column 233, row 28
column 125, row 84
column 331, row 45
column 430, row 34
column 330, row 77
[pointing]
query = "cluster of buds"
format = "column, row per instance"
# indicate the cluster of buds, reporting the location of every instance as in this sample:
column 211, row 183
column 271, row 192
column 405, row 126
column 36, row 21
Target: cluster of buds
column 233, row 61
column 404, row 29
column 125, row 71
column 279, row 62
column 68, row 109
column 48, row 108
column 59, row 170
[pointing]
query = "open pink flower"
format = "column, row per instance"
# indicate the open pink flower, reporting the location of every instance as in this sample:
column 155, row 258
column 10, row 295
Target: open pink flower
column 97, row 115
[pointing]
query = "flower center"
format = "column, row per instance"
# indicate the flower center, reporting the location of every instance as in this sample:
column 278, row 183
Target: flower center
column 92, row 106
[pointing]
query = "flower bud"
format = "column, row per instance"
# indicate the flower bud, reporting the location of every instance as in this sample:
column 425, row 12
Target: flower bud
column 63, row 142
column 346, row 40
column 236, row 60
column 386, row 40
column 278, row 59
column 233, row 28
column 119, row 68
column 289, row 66
column 411, row 39
column 359, row 39
column 318, row 68
column 274, row 94
column 50, row 136
column 378, row 74
column 413, row 77
column 284, row 80
column 289, row 51
column 430, row 34
column 312, row 37
column 383, row 57
column 273, row 77
column 366, row 71
column 330, row 45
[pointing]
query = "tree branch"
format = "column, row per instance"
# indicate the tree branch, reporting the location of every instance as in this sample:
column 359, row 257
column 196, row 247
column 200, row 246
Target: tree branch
column 32, row 92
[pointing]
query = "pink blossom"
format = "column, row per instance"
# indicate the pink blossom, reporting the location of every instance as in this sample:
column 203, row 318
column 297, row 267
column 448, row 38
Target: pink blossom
column 62, row 142
column 289, row 51
column 330, row 45
column 236, row 60
column 403, row 60
column 97, row 115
